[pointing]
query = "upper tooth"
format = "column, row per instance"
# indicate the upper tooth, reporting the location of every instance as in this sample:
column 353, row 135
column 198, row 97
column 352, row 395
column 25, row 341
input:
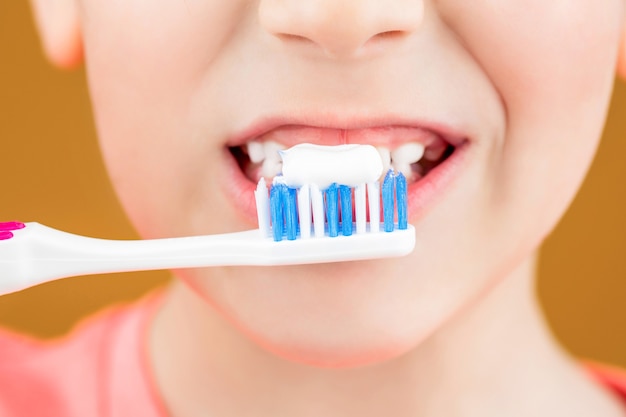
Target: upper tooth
column 409, row 153
column 260, row 151
column 435, row 151
column 405, row 155
column 385, row 155
column 267, row 154
column 272, row 162
column 256, row 151
column 271, row 149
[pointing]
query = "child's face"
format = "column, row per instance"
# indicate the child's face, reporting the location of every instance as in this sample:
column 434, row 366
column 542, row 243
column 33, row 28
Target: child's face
column 524, row 84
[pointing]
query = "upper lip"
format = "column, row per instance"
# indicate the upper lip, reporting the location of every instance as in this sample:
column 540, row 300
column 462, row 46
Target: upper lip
column 349, row 129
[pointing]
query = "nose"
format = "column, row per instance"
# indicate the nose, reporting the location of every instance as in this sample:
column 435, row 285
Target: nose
column 341, row 28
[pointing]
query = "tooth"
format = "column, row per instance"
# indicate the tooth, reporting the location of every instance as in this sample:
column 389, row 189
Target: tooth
column 256, row 151
column 430, row 139
column 271, row 149
column 405, row 155
column 434, row 152
column 271, row 167
column 385, row 155
column 272, row 164
column 409, row 153
column 417, row 171
column 405, row 169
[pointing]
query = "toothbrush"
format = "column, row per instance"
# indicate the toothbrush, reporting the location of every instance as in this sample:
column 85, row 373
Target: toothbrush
column 31, row 253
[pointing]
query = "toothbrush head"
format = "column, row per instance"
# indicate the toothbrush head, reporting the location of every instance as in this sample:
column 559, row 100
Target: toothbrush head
column 287, row 213
column 295, row 210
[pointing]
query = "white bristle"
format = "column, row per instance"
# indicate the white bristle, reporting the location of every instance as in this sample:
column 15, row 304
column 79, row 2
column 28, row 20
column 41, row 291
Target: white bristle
column 304, row 211
column 317, row 202
column 261, row 195
column 373, row 197
column 360, row 208
column 306, row 187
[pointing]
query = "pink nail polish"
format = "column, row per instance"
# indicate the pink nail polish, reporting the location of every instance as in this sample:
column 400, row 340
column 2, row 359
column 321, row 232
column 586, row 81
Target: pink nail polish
column 6, row 226
column 5, row 235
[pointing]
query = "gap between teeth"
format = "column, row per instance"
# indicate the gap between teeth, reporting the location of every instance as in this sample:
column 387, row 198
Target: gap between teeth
column 401, row 159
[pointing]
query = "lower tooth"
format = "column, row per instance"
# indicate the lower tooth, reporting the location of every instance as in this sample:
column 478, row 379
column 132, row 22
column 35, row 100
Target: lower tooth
column 253, row 172
column 271, row 167
column 405, row 169
column 417, row 172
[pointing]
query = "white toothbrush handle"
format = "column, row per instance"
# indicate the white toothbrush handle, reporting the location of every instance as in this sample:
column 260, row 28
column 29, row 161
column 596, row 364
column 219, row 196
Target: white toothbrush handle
column 38, row 254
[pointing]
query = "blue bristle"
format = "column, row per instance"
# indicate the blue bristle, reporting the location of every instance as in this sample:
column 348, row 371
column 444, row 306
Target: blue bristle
column 388, row 201
column 291, row 212
column 401, row 201
column 276, row 212
column 332, row 210
column 345, row 193
column 338, row 198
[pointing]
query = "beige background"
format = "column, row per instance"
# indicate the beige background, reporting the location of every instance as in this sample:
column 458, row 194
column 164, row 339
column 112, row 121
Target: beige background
column 51, row 172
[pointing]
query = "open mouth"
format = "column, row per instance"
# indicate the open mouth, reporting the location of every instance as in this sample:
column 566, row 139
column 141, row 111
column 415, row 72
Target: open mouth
column 414, row 152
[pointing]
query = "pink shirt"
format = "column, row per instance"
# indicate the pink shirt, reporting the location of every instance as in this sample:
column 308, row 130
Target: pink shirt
column 101, row 369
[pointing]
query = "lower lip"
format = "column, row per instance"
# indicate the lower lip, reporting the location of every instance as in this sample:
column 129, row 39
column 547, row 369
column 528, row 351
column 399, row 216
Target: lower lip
column 422, row 195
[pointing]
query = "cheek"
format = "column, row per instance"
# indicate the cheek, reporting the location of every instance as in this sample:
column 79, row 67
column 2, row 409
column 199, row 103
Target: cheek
column 552, row 64
column 169, row 192
column 144, row 76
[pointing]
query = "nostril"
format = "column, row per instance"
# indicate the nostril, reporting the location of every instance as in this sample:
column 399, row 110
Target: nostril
column 391, row 34
column 341, row 28
column 288, row 37
column 340, row 43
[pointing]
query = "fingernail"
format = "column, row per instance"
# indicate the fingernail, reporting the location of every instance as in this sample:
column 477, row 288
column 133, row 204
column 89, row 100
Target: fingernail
column 6, row 226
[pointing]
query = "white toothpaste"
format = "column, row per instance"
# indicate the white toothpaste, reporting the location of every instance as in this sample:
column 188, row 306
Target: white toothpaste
column 349, row 165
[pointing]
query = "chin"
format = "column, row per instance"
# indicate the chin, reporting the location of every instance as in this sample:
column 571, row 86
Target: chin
column 328, row 321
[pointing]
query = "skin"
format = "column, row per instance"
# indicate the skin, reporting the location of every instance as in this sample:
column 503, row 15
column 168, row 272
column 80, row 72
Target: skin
column 451, row 330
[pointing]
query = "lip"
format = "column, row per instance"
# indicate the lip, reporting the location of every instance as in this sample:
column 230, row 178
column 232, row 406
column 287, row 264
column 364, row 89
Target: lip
column 422, row 195
column 350, row 125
